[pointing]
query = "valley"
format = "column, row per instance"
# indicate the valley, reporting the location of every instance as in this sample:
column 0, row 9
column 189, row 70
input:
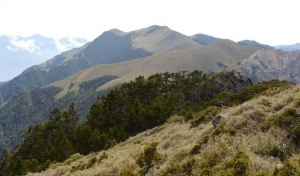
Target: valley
column 154, row 87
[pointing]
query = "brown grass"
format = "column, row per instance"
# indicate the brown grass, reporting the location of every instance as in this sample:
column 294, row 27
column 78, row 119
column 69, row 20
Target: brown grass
column 176, row 140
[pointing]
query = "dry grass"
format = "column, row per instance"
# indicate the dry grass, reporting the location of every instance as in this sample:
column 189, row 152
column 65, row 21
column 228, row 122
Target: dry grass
column 203, row 58
column 176, row 140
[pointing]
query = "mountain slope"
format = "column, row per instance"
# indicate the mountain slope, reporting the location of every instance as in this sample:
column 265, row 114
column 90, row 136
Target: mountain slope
column 255, row 43
column 215, row 57
column 111, row 47
column 19, row 53
column 159, row 39
column 272, row 64
column 205, row 39
column 289, row 47
column 239, row 145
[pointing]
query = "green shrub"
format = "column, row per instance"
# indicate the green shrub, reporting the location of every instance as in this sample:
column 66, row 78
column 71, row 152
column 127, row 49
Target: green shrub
column 262, row 173
column 188, row 116
column 288, row 168
column 203, row 140
column 205, row 115
column 103, row 156
column 211, row 160
column 186, row 168
column 72, row 158
column 175, row 119
column 148, row 158
column 91, row 162
column 128, row 171
column 222, row 129
column 239, row 165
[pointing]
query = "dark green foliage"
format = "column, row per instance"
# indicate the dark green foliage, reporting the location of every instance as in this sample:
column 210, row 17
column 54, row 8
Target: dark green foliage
column 263, row 88
column 205, row 115
column 185, row 168
column 148, row 158
column 262, row 173
column 203, row 140
column 288, row 120
column 146, row 103
column 22, row 111
column 32, row 108
column 223, row 129
column 128, row 171
column 289, row 168
column 188, row 116
column 134, row 107
column 239, row 165
column 103, row 156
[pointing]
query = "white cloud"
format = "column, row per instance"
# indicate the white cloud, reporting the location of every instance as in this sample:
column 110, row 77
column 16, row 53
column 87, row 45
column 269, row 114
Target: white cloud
column 67, row 44
column 23, row 45
column 74, row 43
column 60, row 46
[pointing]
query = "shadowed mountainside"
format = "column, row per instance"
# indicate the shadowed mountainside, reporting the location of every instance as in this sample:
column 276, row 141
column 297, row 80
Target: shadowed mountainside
column 110, row 47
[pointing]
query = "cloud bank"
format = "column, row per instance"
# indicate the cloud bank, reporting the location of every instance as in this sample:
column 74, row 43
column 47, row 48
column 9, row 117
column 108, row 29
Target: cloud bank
column 23, row 45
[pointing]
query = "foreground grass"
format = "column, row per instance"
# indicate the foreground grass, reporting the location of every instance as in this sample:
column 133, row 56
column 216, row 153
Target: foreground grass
column 240, row 145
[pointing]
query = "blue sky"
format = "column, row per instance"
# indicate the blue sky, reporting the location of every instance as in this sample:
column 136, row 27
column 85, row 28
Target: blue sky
column 272, row 22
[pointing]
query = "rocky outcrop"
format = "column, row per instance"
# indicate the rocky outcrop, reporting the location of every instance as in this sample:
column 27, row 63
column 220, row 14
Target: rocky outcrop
column 218, row 119
column 272, row 64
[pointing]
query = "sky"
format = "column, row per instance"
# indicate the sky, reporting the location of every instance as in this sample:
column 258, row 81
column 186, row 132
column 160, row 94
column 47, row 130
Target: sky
column 271, row 22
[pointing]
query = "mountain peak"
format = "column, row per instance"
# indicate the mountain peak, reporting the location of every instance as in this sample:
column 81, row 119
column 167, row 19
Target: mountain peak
column 158, row 39
column 117, row 32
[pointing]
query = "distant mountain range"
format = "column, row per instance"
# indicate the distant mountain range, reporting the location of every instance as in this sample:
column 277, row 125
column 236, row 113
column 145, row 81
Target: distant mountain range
column 111, row 47
column 255, row 43
column 289, row 47
column 82, row 74
column 19, row 53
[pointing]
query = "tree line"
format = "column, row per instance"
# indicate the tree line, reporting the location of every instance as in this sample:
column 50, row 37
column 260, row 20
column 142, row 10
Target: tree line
column 135, row 106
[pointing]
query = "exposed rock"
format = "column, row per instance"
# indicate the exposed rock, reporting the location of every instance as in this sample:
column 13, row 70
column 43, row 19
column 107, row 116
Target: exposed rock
column 272, row 64
column 218, row 119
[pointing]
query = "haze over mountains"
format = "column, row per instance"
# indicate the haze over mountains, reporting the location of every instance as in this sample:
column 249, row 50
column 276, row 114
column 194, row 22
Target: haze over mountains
column 19, row 53
column 115, row 57
column 289, row 47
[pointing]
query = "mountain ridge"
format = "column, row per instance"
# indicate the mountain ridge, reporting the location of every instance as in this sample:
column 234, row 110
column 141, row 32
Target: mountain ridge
column 293, row 47
column 255, row 43
column 110, row 47
column 204, row 58
column 205, row 39
column 22, row 52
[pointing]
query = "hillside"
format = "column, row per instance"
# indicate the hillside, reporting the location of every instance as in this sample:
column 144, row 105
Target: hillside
column 255, row 138
column 255, row 43
column 288, row 47
column 225, row 54
column 205, row 39
column 18, row 53
column 272, row 64
column 110, row 47
column 133, row 107
column 84, row 87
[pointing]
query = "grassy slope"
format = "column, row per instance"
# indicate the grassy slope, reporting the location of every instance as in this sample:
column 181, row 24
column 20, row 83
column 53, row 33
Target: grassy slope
column 159, row 39
column 205, row 59
column 176, row 140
